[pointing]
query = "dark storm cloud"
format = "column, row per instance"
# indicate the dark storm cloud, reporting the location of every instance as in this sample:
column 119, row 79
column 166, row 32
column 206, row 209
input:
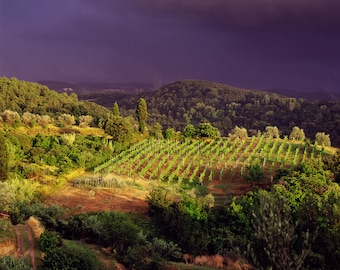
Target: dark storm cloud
column 282, row 40
column 319, row 13
column 249, row 43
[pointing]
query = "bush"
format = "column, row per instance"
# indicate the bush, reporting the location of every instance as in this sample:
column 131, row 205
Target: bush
column 206, row 130
column 255, row 173
column 322, row 139
column 49, row 241
column 11, row 263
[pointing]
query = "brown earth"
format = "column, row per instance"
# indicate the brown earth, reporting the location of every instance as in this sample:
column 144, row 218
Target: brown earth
column 21, row 231
column 129, row 199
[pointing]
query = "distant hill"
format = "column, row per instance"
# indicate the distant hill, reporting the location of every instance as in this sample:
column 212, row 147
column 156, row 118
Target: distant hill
column 85, row 87
column 311, row 96
column 179, row 103
column 22, row 96
column 192, row 101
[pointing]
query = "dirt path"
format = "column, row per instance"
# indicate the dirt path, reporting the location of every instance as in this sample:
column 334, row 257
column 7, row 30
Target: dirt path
column 31, row 246
column 22, row 232
column 20, row 241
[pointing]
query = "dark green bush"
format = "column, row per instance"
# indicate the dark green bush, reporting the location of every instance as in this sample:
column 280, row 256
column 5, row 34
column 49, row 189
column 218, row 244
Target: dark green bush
column 11, row 263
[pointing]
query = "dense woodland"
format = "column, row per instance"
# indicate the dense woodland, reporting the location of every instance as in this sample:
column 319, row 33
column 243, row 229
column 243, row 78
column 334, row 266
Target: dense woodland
column 291, row 223
column 180, row 103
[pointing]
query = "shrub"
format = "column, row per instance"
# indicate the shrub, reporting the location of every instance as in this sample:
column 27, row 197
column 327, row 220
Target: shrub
column 66, row 120
column 239, row 132
column 255, row 173
column 322, row 139
column 10, row 117
column 85, row 120
column 66, row 254
column 11, row 263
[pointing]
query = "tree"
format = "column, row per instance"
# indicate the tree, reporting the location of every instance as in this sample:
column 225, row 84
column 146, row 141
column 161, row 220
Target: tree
column 11, row 117
column 115, row 109
column 255, row 173
column 272, row 132
column 297, row 134
column 66, row 119
column 206, row 130
column 142, row 114
column 119, row 128
column 189, row 131
column 332, row 163
column 6, row 197
column 276, row 237
column 240, row 132
column 4, row 159
column 85, row 120
column 169, row 133
column 322, row 139
column 156, row 131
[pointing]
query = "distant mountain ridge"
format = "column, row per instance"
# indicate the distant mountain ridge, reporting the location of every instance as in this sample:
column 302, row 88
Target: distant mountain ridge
column 311, row 96
column 132, row 88
column 85, row 87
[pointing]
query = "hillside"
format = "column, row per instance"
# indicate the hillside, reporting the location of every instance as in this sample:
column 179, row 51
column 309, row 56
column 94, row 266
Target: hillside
column 80, row 88
column 21, row 96
column 114, row 192
column 311, row 96
column 183, row 102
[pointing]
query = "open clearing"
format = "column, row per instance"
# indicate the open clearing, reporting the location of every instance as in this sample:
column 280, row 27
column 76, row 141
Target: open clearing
column 132, row 197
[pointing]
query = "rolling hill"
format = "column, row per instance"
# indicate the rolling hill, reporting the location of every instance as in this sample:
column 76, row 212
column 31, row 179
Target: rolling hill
column 191, row 101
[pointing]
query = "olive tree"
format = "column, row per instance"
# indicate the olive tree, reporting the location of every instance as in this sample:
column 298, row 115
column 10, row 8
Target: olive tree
column 322, row 139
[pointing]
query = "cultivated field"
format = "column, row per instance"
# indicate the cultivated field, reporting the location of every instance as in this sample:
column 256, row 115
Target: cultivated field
column 203, row 161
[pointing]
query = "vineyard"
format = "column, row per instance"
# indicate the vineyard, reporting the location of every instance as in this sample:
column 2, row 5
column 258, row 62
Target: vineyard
column 202, row 161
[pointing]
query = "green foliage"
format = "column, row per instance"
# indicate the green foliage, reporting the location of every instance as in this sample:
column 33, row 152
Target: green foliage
column 240, row 132
column 66, row 120
column 115, row 109
column 158, row 198
column 275, row 235
column 85, row 120
column 6, row 196
column 141, row 114
column 68, row 138
column 42, row 103
column 49, row 241
column 120, row 129
column 169, row 134
column 151, row 254
column 4, row 159
column 332, row 163
column 11, row 263
column 66, row 255
column 115, row 229
column 156, row 131
column 49, row 216
column 297, row 134
column 12, row 118
column 272, row 132
column 189, row 131
column 255, row 173
column 196, row 208
column 206, row 130
column 322, row 139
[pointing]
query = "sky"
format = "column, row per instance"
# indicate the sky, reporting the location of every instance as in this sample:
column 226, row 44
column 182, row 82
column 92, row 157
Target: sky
column 254, row 44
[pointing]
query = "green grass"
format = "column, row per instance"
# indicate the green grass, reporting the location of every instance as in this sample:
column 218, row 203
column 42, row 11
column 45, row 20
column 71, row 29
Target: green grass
column 6, row 230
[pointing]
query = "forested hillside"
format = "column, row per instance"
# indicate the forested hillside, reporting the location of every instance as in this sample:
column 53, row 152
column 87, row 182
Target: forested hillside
column 21, row 96
column 85, row 187
column 183, row 102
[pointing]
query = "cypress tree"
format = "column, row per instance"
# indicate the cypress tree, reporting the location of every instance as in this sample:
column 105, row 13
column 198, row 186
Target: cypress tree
column 4, row 158
column 142, row 114
column 115, row 109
